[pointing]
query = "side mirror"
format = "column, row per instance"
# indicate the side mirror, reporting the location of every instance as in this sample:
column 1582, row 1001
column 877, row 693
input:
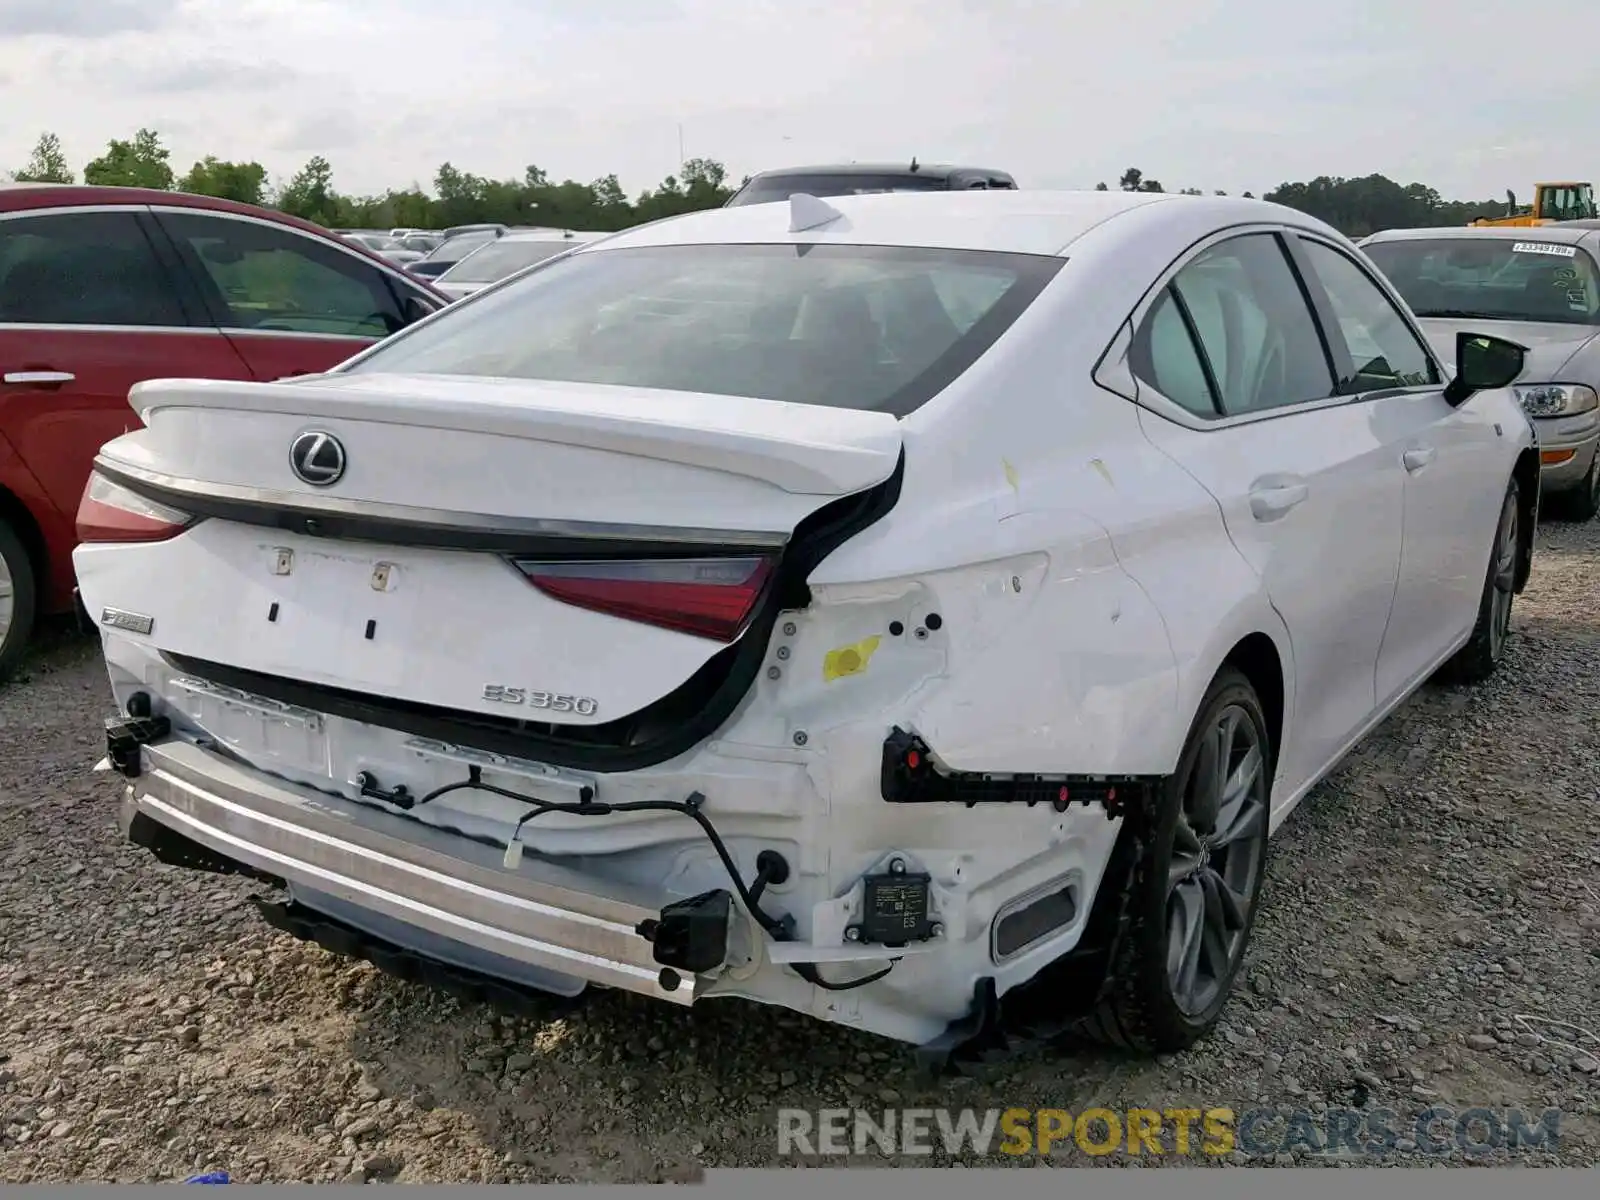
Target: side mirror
column 1483, row 363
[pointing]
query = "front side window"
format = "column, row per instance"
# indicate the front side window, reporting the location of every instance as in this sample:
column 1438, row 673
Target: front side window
column 868, row 327
column 1493, row 279
column 1253, row 326
column 85, row 268
column 268, row 279
column 1383, row 350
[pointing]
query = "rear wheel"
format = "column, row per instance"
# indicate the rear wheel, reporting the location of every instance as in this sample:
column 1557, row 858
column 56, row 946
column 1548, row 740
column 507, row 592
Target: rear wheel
column 1194, row 890
column 18, row 600
column 1479, row 658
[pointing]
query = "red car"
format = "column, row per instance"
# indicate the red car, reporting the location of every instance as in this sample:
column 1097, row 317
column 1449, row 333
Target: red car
column 101, row 288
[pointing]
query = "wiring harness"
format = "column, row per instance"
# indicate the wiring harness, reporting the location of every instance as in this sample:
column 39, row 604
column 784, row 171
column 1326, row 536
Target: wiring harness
column 770, row 867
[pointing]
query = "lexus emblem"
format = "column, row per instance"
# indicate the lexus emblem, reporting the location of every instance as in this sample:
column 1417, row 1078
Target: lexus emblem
column 317, row 458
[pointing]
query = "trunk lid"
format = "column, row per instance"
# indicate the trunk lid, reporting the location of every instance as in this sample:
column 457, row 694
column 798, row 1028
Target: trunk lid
column 558, row 554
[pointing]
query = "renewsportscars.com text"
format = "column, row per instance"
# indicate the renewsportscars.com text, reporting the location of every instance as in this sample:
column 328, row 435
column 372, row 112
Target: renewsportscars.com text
column 1213, row 1132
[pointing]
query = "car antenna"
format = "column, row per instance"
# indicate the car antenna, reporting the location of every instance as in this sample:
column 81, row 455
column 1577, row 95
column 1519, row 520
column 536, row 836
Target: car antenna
column 913, row 164
column 808, row 212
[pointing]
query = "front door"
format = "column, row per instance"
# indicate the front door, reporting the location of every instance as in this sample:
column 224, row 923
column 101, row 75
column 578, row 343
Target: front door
column 1447, row 456
column 1309, row 493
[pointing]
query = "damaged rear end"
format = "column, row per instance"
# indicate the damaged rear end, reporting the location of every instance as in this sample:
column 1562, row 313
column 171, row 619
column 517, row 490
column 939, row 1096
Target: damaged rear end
column 500, row 650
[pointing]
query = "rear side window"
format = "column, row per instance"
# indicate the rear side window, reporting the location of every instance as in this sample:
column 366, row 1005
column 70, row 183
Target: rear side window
column 1166, row 356
column 270, row 279
column 85, row 268
column 868, row 327
column 1251, row 327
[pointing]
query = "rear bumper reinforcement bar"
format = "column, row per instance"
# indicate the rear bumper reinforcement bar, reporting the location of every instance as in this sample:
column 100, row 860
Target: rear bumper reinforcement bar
column 539, row 915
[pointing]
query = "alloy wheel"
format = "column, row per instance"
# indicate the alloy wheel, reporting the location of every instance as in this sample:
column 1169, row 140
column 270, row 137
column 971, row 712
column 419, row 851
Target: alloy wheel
column 8, row 599
column 1218, row 849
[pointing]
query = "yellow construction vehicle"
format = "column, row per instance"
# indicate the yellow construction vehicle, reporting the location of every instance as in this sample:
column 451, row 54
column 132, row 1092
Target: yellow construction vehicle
column 1552, row 203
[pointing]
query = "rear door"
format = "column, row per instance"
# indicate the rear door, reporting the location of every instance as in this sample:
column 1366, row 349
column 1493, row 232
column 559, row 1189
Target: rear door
column 1310, row 493
column 1455, row 462
column 292, row 303
column 88, row 308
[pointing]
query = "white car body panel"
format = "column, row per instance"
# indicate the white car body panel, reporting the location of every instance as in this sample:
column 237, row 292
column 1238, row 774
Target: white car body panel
column 1092, row 560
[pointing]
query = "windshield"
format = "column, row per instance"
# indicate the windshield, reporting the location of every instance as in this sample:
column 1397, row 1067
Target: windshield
column 456, row 248
column 501, row 258
column 1493, row 279
column 781, row 187
column 868, row 327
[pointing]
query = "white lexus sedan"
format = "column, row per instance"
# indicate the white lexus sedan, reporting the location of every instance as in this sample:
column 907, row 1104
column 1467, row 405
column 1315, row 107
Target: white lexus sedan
column 912, row 610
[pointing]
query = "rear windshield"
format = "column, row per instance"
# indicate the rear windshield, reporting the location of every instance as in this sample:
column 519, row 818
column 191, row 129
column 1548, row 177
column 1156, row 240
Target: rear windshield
column 456, row 248
column 501, row 258
column 868, row 327
column 1493, row 279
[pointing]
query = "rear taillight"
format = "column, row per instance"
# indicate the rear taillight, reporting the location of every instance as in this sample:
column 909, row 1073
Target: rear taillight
column 708, row 597
column 110, row 512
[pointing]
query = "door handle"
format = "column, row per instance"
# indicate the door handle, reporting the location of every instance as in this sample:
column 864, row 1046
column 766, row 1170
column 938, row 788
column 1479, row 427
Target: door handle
column 1268, row 502
column 1417, row 457
column 39, row 377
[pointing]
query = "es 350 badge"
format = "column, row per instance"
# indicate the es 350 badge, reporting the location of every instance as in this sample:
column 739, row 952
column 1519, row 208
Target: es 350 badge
column 556, row 702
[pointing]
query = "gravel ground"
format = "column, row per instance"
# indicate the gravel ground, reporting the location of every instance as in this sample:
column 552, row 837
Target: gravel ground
column 1430, row 913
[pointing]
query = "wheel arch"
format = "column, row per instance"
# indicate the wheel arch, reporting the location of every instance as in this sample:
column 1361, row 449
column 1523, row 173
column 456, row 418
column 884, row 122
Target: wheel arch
column 1255, row 642
column 16, row 514
column 1256, row 657
column 1526, row 473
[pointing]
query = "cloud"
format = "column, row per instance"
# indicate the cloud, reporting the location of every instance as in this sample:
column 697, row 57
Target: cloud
column 205, row 75
column 1235, row 94
column 89, row 19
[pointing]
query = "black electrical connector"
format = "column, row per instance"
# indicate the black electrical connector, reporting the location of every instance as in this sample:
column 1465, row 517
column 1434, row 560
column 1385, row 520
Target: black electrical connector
column 124, row 737
column 691, row 935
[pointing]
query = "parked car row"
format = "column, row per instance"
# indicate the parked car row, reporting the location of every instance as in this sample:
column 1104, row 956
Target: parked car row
column 915, row 611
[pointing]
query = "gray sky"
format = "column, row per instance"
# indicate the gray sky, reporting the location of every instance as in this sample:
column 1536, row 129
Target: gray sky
column 1234, row 94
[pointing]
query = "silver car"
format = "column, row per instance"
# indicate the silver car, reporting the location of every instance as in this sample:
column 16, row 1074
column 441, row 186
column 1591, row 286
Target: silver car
column 1536, row 285
column 506, row 256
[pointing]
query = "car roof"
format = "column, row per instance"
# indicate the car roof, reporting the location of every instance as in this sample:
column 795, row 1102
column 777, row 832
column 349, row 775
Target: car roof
column 1567, row 233
column 22, row 197
column 17, row 196
column 1024, row 222
column 904, row 167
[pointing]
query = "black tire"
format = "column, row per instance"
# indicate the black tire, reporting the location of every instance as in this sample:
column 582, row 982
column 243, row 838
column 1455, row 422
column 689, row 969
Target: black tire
column 24, row 600
column 1481, row 656
column 1145, row 1008
column 1582, row 502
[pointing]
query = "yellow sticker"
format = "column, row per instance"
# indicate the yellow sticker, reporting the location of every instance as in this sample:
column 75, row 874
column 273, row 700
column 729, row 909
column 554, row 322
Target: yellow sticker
column 849, row 660
column 1011, row 474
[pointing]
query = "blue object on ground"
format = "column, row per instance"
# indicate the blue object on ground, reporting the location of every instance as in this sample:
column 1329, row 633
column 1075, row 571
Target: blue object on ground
column 210, row 1177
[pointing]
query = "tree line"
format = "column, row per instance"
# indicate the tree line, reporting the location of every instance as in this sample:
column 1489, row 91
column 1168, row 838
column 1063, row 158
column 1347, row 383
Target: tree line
column 1357, row 207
